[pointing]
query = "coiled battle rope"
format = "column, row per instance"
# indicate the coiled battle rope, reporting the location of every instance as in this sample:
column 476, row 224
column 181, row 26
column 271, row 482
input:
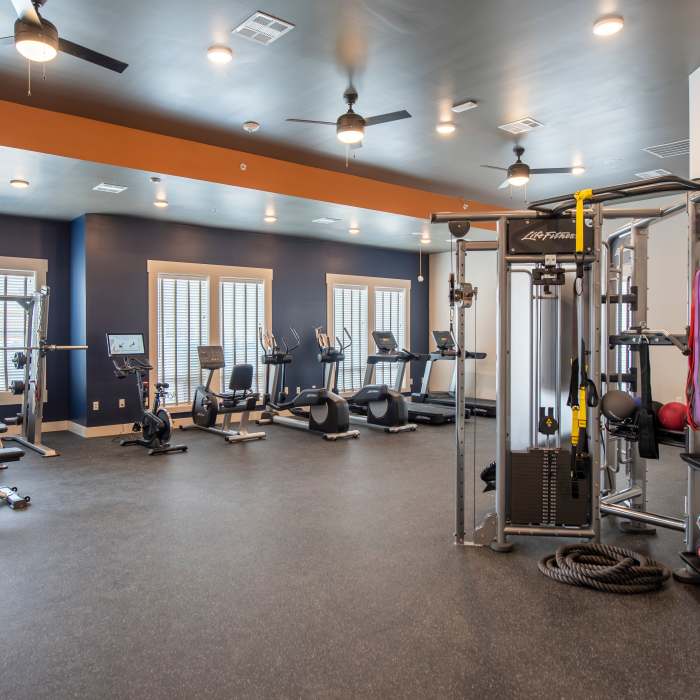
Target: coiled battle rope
column 605, row 568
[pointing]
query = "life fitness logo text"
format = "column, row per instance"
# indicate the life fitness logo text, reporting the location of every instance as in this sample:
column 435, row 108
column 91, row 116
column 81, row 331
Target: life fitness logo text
column 549, row 236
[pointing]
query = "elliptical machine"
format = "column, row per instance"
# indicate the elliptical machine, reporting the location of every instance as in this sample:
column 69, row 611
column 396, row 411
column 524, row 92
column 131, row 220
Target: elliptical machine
column 208, row 405
column 374, row 405
column 318, row 410
column 126, row 352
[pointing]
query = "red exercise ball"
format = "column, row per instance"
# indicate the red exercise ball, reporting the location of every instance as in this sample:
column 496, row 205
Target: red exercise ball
column 673, row 416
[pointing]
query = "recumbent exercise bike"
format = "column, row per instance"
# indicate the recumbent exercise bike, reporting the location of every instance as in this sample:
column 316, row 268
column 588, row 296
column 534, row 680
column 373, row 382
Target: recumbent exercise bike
column 208, row 404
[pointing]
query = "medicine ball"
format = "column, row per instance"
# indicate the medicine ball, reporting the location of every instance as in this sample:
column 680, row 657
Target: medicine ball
column 673, row 416
column 617, row 405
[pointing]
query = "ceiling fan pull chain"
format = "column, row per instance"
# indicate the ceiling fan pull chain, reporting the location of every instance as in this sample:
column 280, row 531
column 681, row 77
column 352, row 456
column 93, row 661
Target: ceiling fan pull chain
column 29, row 78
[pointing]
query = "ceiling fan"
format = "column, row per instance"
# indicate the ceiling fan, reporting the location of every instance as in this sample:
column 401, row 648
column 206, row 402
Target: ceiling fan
column 518, row 174
column 350, row 127
column 37, row 39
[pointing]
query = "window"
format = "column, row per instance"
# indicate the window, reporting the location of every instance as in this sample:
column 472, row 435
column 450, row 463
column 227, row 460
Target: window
column 350, row 313
column 242, row 313
column 390, row 315
column 362, row 305
column 183, row 324
column 192, row 305
column 18, row 277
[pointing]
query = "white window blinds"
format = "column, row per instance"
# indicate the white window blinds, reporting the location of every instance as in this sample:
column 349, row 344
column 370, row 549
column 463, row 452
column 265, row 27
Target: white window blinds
column 350, row 312
column 13, row 321
column 242, row 313
column 390, row 315
column 183, row 324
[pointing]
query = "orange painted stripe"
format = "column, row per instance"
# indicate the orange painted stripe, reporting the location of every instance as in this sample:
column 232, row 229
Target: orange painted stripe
column 66, row 135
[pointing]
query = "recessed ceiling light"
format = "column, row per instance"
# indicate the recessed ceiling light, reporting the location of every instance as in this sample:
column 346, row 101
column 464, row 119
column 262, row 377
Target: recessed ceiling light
column 425, row 241
column 445, row 128
column 270, row 219
column 251, row 126
column 608, row 25
column 19, row 183
column 578, row 170
column 219, row 54
column 109, row 189
column 160, row 203
column 353, row 230
column 325, row 220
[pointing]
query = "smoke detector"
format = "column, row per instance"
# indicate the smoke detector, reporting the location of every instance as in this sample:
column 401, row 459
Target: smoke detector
column 263, row 28
column 251, row 127
column 521, row 126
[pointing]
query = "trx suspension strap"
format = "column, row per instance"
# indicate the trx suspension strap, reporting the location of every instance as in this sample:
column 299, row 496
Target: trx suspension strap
column 582, row 392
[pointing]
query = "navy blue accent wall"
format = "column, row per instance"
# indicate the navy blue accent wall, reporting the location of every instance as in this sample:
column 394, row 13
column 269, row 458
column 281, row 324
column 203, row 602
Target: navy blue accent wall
column 78, row 323
column 117, row 250
column 24, row 237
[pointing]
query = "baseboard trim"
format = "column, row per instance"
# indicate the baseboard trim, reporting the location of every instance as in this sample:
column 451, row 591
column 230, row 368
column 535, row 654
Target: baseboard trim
column 116, row 429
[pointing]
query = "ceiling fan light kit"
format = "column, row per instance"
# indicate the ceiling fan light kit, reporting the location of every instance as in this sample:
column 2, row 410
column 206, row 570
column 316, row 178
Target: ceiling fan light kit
column 350, row 128
column 36, row 42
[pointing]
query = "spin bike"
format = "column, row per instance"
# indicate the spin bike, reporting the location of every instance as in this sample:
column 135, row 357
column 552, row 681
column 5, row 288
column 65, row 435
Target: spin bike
column 318, row 410
column 127, row 352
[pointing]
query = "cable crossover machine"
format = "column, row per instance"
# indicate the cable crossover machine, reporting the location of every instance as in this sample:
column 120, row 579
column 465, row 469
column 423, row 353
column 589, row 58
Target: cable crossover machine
column 572, row 326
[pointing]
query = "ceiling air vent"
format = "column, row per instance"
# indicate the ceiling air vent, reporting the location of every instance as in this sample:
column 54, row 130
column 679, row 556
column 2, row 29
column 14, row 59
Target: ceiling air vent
column 648, row 174
column 110, row 189
column 263, row 28
column 521, row 126
column 670, row 150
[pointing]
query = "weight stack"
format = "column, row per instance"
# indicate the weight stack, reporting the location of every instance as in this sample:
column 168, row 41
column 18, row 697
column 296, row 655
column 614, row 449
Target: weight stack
column 538, row 490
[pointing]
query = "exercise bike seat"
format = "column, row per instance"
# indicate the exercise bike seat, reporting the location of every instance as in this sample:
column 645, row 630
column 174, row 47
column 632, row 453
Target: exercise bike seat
column 162, row 385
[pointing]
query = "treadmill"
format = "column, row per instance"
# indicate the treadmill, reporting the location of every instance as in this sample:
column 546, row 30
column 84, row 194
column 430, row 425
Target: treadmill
column 388, row 352
column 446, row 349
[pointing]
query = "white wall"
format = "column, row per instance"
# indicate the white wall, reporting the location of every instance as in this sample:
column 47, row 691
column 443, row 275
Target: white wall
column 694, row 104
column 481, row 320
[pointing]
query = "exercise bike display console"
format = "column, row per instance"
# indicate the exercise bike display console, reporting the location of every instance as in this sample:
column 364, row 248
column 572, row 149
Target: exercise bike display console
column 208, row 404
column 127, row 352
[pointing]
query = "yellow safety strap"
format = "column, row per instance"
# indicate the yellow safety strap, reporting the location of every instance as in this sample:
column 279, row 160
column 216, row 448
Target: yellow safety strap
column 581, row 197
column 582, row 421
column 574, row 425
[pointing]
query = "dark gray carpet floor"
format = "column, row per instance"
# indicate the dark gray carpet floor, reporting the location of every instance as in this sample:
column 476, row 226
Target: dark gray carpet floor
column 296, row 568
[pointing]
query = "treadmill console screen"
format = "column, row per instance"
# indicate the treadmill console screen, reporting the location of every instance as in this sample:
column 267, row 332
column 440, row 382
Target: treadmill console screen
column 444, row 340
column 125, row 344
column 385, row 340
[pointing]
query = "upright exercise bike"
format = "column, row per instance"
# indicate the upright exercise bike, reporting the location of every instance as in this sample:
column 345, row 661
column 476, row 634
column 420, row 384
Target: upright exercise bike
column 318, row 410
column 127, row 352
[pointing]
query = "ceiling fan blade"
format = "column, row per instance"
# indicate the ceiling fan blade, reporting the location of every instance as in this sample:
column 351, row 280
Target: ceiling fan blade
column 7, row 40
column 310, row 121
column 495, row 167
column 26, row 11
column 356, row 146
column 99, row 59
column 549, row 171
column 504, row 184
column 389, row 117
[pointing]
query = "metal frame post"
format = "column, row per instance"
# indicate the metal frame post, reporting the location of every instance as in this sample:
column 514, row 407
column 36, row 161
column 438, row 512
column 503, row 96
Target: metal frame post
column 460, row 391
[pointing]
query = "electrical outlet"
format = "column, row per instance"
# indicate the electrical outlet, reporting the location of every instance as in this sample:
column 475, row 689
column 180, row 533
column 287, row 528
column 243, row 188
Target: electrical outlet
column 298, row 390
column 286, row 390
column 95, row 405
column 122, row 403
